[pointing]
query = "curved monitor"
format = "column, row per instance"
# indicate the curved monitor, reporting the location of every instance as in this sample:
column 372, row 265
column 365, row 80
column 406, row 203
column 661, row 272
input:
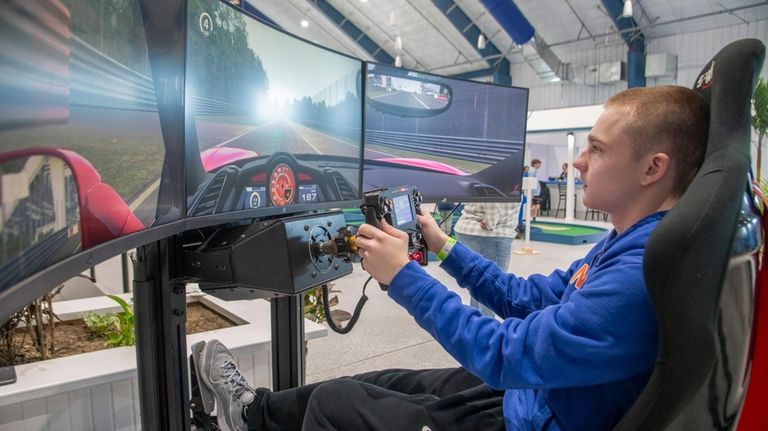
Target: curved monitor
column 81, row 144
column 455, row 140
column 273, row 122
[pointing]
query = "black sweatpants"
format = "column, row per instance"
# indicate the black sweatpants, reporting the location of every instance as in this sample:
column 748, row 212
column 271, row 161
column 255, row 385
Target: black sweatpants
column 400, row 400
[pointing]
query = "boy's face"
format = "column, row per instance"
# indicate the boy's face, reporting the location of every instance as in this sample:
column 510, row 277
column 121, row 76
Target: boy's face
column 610, row 170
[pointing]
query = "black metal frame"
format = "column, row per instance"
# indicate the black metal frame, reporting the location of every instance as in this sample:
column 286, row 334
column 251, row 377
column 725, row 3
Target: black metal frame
column 161, row 347
column 288, row 366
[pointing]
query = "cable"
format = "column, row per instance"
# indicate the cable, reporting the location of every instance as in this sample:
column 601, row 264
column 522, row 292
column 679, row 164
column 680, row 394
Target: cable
column 355, row 314
column 363, row 298
column 448, row 216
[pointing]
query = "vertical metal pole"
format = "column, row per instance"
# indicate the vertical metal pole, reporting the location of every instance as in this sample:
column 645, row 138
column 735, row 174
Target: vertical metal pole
column 528, row 186
column 126, row 277
column 288, row 367
column 570, row 202
column 161, row 349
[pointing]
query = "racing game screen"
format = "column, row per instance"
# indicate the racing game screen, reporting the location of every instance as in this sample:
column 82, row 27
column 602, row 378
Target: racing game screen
column 81, row 146
column 453, row 139
column 273, row 123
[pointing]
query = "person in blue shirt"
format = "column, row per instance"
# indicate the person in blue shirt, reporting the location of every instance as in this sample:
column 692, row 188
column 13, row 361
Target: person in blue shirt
column 533, row 172
column 575, row 347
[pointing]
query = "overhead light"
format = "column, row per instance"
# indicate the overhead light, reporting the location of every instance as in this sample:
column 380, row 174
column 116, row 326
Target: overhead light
column 304, row 23
column 398, row 61
column 399, row 43
column 392, row 21
column 481, row 41
column 627, row 11
column 363, row 1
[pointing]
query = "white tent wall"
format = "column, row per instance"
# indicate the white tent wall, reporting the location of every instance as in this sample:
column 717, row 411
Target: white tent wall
column 692, row 51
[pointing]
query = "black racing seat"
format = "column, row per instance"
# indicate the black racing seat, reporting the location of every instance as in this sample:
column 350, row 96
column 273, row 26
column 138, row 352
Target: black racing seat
column 700, row 267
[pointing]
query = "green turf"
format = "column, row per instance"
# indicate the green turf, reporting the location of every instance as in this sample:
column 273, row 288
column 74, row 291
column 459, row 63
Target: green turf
column 566, row 233
column 565, row 229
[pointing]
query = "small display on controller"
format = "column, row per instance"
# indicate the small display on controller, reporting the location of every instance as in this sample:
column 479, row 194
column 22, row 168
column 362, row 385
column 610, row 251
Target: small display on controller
column 402, row 210
column 398, row 206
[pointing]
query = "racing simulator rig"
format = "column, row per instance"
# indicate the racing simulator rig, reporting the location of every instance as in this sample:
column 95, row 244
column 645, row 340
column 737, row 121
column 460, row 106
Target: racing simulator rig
column 243, row 135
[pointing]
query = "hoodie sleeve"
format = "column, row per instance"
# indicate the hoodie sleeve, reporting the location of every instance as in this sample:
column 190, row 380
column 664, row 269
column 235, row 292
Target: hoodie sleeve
column 602, row 332
column 506, row 294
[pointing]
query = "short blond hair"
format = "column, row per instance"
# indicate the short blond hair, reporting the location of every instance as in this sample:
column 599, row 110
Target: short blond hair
column 670, row 119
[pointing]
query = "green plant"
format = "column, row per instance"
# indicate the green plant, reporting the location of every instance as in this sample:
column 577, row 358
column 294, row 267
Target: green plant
column 760, row 118
column 100, row 324
column 313, row 303
column 117, row 328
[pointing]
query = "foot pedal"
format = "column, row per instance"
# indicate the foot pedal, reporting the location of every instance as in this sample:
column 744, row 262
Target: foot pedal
column 206, row 399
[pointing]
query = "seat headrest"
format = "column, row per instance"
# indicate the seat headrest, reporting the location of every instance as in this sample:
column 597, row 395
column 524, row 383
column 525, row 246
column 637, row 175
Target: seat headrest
column 721, row 83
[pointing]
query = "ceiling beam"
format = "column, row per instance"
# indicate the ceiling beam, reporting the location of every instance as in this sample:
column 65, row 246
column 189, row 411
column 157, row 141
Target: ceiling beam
column 353, row 31
column 581, row 21
column 371, row 24
column 634, row 39
column 656, row 23
column 535, row 50
column 500, row 71
column 439, row 30
column 508, row 15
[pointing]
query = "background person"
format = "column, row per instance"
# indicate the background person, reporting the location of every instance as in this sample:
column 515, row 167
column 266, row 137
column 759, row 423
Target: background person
column 488, row 229
column 536, row 192
column 533, row 172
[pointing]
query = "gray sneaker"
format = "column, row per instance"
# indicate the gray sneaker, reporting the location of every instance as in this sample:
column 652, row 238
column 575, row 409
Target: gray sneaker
column 232, row 392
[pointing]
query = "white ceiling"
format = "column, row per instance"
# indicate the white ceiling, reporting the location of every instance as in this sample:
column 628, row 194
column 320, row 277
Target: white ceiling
column 431, row 42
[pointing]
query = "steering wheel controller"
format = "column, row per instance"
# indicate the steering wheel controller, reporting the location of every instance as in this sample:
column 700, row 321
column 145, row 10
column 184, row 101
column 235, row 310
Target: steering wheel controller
column 399, row 207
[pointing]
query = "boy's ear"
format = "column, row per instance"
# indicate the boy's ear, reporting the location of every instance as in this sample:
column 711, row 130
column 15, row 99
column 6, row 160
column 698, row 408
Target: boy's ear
column 657, row 168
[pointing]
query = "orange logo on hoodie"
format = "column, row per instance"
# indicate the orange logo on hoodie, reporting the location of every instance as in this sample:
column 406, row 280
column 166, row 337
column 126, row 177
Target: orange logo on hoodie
column 580, row 276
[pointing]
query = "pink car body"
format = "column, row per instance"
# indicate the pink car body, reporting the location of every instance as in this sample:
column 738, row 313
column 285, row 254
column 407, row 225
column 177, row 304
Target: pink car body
column 426, row 164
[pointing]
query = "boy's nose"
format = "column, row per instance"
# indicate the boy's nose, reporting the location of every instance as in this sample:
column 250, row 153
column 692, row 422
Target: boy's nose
column 578, row 163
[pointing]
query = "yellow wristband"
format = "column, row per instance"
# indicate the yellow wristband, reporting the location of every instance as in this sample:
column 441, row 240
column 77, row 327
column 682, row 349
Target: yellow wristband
column 446, row 250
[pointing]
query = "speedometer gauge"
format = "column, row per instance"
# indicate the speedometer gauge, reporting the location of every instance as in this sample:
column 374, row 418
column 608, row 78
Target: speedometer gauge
column 282, row 185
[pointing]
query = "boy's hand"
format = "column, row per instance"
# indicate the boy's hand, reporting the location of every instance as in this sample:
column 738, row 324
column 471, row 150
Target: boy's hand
column 384, row 251
column 431, row 232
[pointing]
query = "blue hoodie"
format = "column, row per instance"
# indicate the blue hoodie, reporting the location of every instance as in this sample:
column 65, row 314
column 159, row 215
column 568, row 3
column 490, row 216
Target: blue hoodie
column 575, row 348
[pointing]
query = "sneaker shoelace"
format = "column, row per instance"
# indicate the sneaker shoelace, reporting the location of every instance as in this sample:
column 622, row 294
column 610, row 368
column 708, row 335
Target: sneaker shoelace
column 237, row 382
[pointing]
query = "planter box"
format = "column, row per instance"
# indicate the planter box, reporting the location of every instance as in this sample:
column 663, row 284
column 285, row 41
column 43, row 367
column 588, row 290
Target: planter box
column 99, row 390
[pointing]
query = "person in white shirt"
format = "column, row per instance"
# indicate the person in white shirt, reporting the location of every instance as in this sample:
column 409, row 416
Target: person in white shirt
column 488, row 229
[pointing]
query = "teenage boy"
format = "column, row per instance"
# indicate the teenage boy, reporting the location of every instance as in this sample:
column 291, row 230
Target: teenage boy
column 575, row 348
